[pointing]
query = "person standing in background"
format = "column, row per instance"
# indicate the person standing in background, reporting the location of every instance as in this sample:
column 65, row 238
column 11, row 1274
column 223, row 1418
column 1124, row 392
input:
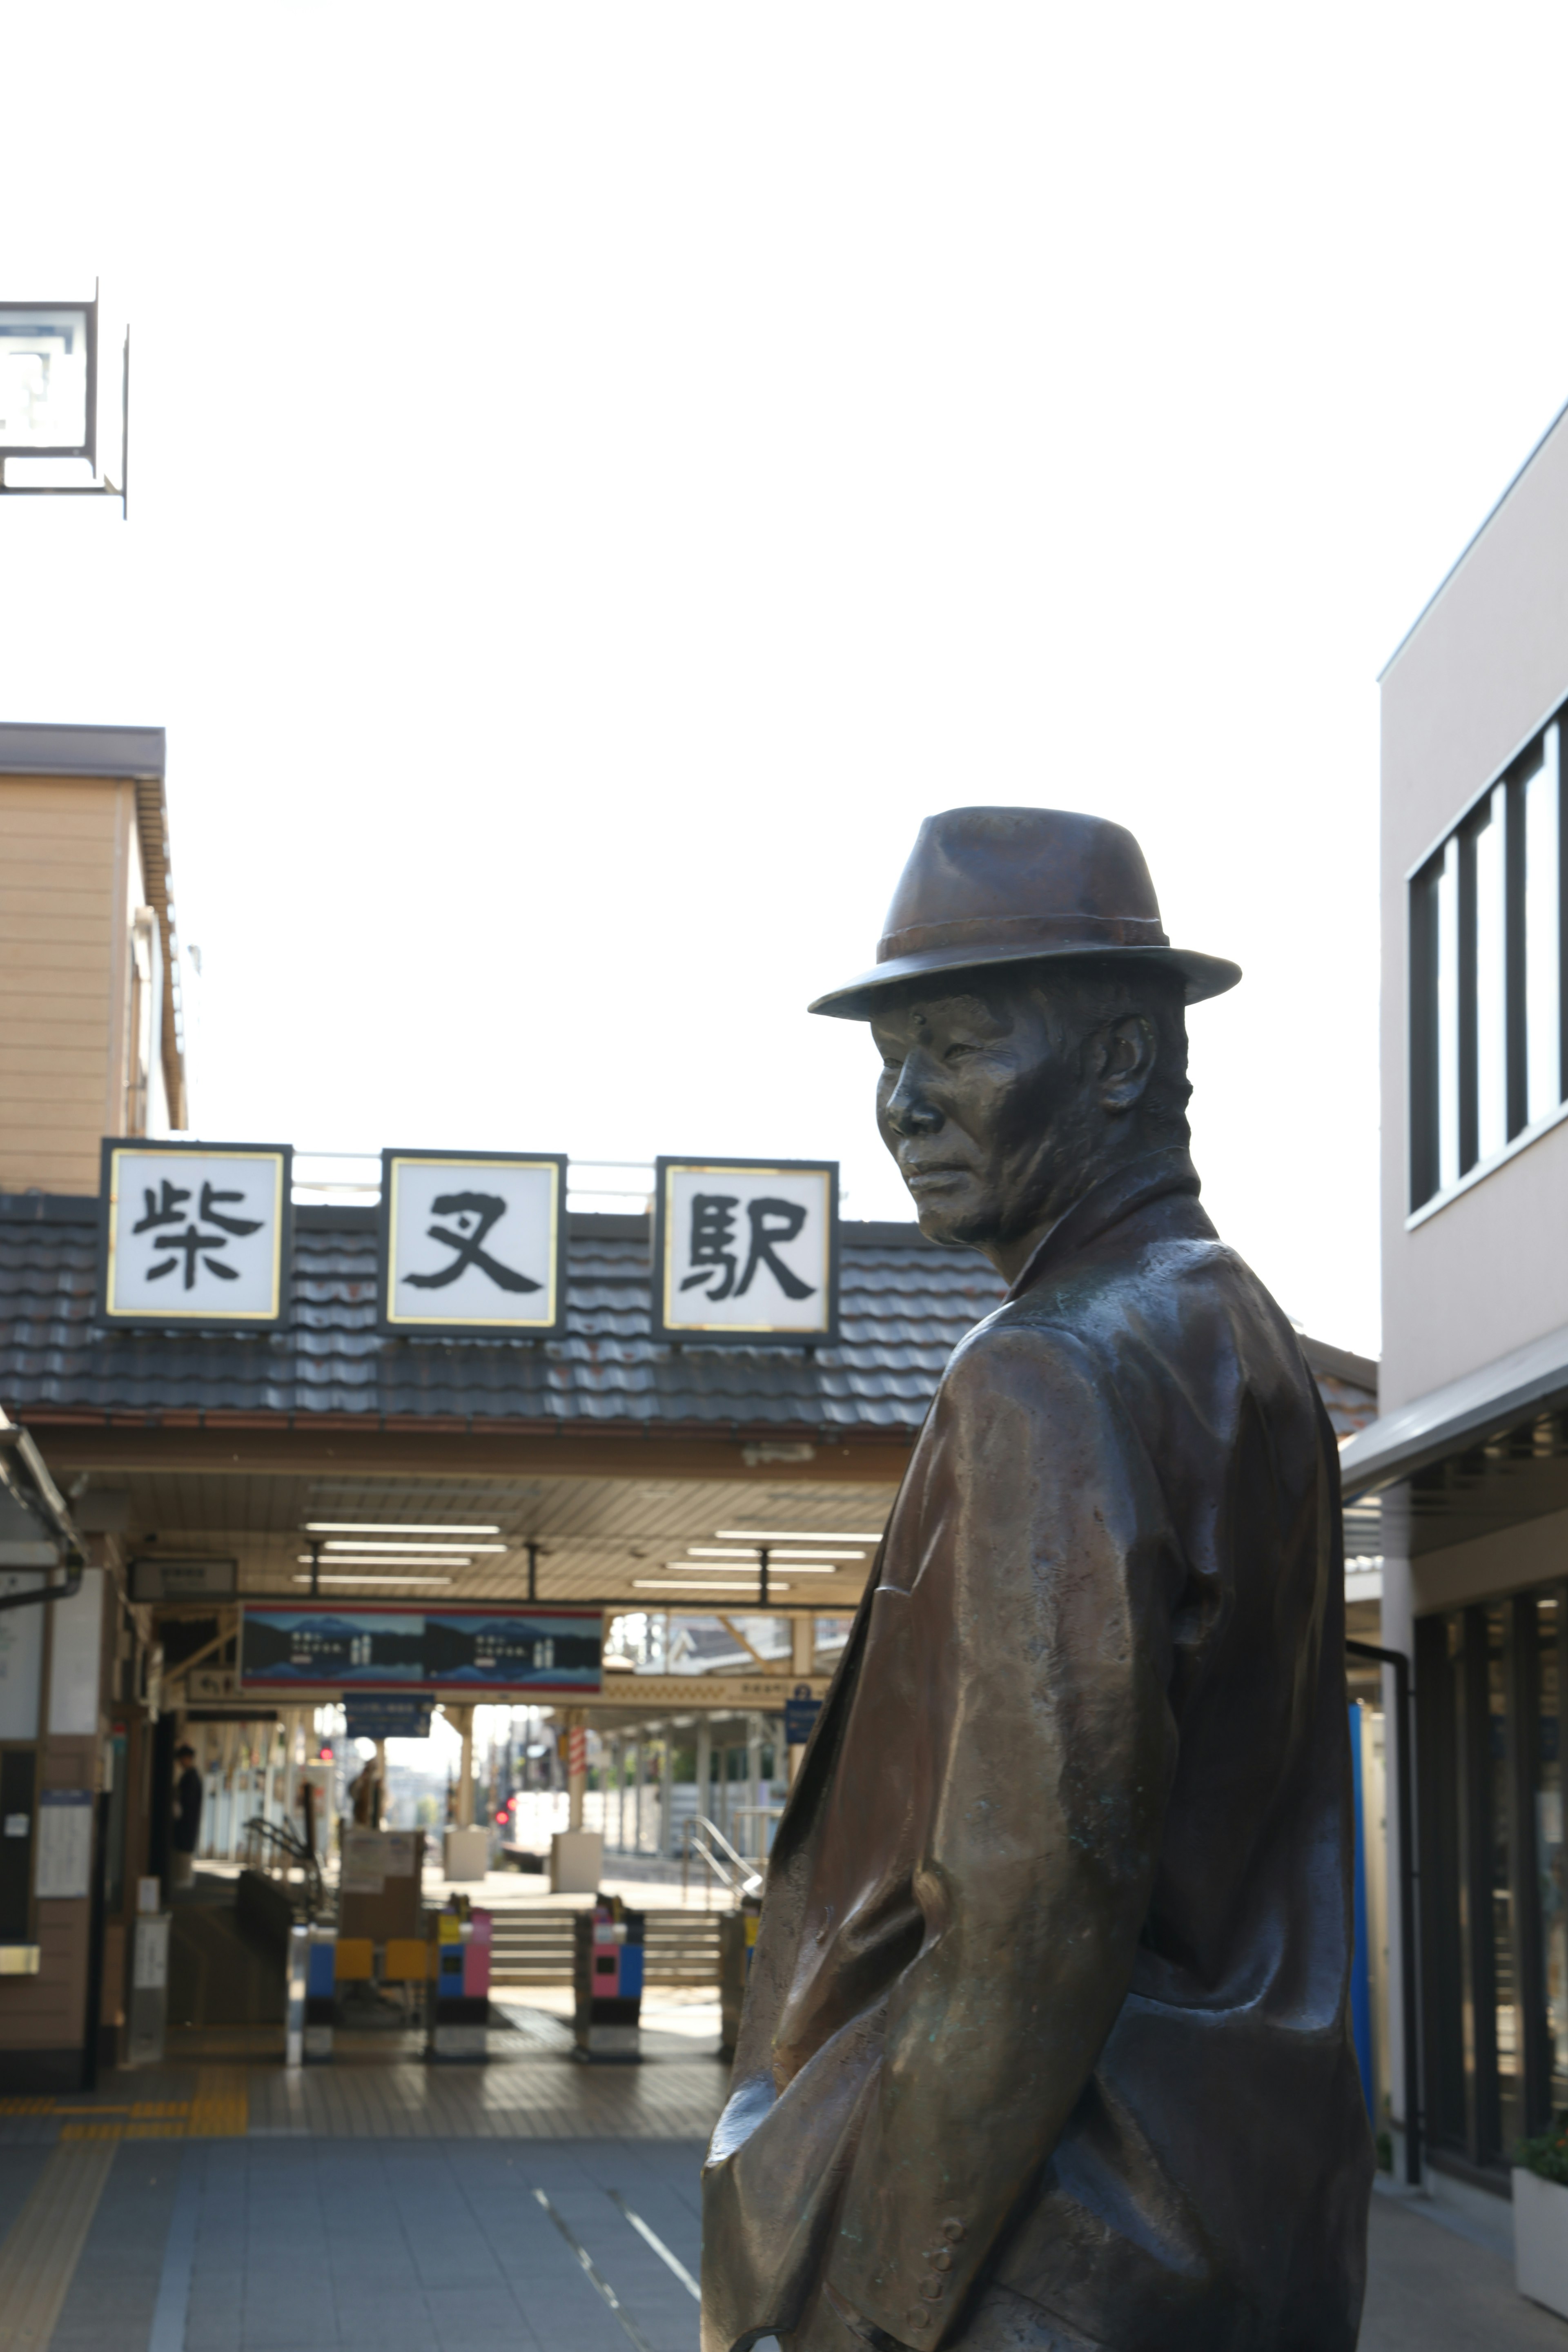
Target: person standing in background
column 186, row 1831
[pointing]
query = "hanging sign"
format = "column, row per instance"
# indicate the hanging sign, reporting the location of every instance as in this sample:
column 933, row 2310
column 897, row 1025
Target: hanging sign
column 471, row 1245
column 320, row 1645
column 801, row 1711
column 746, row 1251
column 193, row 1232
column 387, row 1715
column 173, row 1579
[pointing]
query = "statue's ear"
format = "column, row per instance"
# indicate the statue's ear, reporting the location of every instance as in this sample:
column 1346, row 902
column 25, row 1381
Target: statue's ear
column 1125, row 1052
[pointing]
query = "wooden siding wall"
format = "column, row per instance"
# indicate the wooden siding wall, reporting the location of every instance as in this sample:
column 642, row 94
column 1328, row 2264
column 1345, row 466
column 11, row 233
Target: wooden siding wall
column 69, row 867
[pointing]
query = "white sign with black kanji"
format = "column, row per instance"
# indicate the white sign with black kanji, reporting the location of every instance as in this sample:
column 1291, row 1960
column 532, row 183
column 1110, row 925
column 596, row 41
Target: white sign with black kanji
column 193, row 1232
column 472, row 1244
column 746, row 1250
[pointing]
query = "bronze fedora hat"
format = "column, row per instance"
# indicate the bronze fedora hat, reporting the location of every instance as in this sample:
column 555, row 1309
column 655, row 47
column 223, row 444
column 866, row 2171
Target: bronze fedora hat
column 990, row 885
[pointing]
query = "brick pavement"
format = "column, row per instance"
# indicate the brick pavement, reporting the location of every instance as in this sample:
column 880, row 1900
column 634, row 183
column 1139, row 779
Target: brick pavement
column 383, row 2205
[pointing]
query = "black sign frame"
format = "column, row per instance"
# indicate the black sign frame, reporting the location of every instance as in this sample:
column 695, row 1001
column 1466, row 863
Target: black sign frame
column 204, row 1318
column 393, row 1327
column 686, row 1335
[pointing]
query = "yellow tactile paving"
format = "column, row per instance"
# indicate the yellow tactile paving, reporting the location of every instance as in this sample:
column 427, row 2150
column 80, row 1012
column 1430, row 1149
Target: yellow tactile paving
column 39, row 2256
column 221, row 2108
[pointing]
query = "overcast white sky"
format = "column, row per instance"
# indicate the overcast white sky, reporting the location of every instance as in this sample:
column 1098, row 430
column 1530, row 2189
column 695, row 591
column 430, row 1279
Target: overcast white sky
column 601, row 475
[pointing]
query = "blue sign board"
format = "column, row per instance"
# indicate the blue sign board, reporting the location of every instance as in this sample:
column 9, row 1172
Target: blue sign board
column 801, row 1711
column 312, row 1645
column 387, row 1715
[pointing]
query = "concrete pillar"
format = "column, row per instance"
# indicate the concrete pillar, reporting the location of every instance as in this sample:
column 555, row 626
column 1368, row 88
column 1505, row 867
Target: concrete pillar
column 636, row 1791
column 755, row 1731
column 704, row 1761
column 803, row 1664
column 462, row 1721
column 666, row 1787
column 577, row 1754
column 383, row 1809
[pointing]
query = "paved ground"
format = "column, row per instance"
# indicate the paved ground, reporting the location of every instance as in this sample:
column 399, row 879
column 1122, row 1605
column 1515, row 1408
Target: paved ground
column 1429, row 2290
column 383, row 2205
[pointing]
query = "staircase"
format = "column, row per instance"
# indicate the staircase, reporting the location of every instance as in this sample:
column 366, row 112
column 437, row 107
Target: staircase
column 534, row 1948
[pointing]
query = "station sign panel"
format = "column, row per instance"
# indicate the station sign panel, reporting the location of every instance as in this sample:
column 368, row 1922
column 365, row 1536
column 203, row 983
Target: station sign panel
column 745, row 1252
column 473, row 1245
column 193, row 1232
column 449, row 1652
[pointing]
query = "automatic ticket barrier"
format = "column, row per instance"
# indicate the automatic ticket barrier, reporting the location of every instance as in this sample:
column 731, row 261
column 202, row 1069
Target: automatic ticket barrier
column 458, row 1994
column 312, row 1995
column 607, row 1980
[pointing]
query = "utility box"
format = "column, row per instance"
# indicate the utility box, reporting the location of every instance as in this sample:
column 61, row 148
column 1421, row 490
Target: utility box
column 465, row 1854
column 608, row 1957
column 576, row 1862
column 149, row 2005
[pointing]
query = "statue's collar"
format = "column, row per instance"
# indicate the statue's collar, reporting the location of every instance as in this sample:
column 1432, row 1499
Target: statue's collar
column 1106, row 1202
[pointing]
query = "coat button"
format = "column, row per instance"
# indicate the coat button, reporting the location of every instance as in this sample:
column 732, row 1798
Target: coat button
column 932, row 2288
column 940, row 2261
column 953, row 2230
column 919, row 2317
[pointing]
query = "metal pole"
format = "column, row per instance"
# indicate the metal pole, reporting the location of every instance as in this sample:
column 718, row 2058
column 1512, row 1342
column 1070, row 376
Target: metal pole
column 315, row 1568
column 763, row 1577
column 533, row 1571
column 1409, row 1975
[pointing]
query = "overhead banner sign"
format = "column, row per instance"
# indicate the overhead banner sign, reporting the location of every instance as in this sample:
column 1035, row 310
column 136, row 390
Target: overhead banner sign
column 473, row 1245
column 387, row 1715
column 194, row 1233
column 746, row 1251
column 319, row 1646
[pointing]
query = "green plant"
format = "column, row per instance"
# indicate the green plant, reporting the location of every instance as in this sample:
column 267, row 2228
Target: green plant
column 1547, row 2154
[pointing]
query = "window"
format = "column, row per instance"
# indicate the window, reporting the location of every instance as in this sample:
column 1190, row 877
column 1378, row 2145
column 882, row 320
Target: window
column 1490, row 1687
column 1486, row 976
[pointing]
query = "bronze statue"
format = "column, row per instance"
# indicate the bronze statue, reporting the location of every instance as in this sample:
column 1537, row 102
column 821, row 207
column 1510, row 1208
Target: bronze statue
column 1046, row 2040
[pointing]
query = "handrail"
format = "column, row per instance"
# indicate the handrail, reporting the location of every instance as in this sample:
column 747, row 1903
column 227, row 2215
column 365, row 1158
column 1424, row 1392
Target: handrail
column 733, row 1870
column 291, row 1848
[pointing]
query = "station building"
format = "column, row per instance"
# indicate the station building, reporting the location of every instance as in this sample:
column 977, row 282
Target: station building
column 1468, row 1456
column 710, row 1508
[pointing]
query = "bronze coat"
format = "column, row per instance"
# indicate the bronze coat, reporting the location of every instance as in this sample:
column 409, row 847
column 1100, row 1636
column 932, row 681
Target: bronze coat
column 1046, row 2040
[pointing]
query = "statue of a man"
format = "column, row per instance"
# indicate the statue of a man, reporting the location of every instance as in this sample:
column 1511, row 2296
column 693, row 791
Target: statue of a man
column 1046, row 2041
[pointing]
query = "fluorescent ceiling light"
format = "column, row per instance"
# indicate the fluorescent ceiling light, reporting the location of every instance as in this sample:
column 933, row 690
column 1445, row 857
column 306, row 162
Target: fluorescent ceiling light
column 394, row 1559
column 714, row 1567
column 389, row 1528
column 704, row 1584
column 711, row 1551
column 428, row 1550
column 797, row 1535
column 374, row 1579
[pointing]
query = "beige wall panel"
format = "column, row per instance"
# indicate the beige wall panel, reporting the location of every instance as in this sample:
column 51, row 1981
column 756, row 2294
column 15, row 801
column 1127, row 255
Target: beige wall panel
column 63, row 862
column 50, row 970
column 74, row 1048
column 44, row 792
column 49, row 1084
column 78, row 901
column 1481, row 670
column 92, row 934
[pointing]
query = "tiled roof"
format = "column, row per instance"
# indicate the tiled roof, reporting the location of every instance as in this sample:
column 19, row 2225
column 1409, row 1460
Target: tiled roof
column 904, row 1305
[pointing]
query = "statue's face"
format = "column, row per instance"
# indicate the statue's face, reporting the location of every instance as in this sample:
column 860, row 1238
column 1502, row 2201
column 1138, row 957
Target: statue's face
column 985, row 1103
